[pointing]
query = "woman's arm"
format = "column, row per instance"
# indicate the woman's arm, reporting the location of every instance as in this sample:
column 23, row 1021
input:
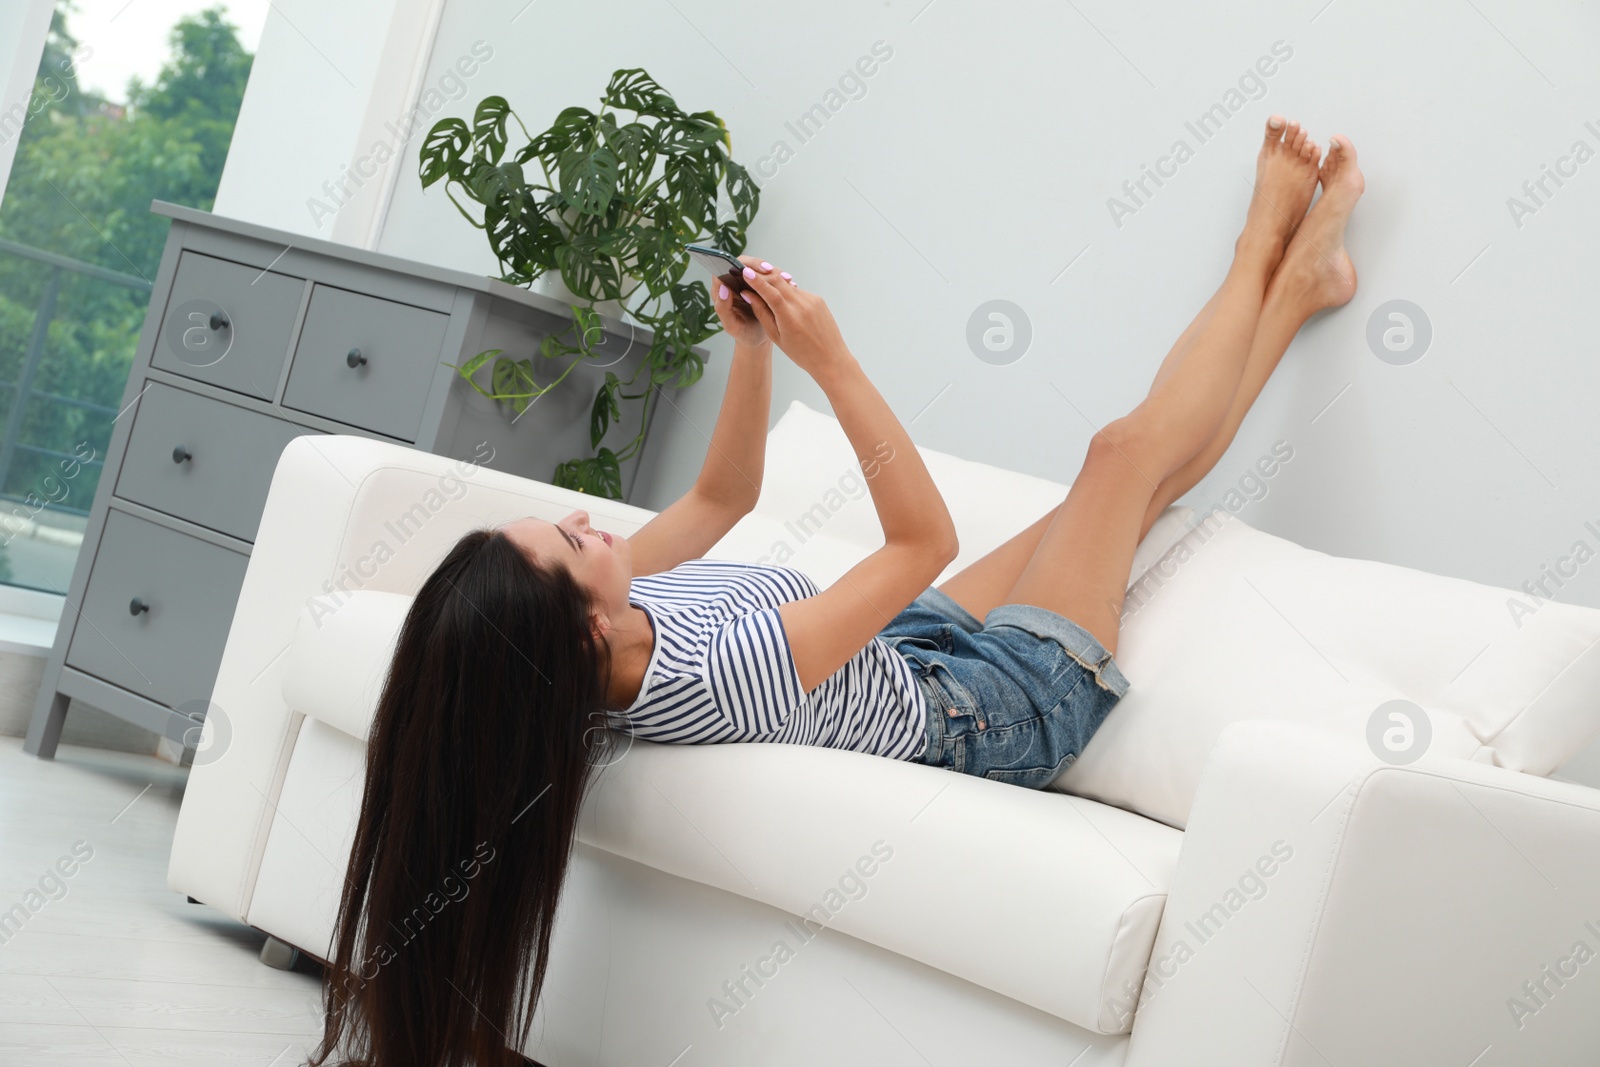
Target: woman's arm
column 826, row 630
column 730, row 478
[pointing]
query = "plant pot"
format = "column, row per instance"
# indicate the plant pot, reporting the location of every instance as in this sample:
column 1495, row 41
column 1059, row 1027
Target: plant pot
column 550, row 284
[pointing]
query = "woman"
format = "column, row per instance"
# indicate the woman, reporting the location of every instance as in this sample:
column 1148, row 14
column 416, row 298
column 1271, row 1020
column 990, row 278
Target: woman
column 529, row 635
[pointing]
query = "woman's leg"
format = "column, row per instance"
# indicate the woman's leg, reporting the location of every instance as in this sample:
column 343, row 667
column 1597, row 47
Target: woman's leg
column 1297, row 140
column 1080, row 562
column 1316, row 273
column 986, row 582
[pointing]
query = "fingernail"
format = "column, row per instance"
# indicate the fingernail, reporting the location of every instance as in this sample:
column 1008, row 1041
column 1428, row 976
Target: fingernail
column 749, row 274
column 746, row 295
column 786, row 276
column 722, row 292
column 765, row 265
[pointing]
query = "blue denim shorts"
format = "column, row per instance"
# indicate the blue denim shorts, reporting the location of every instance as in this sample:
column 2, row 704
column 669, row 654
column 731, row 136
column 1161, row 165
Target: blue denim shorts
column 1014, row 698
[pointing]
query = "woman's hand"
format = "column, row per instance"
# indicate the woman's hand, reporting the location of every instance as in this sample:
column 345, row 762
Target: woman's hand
column 737, row 319
column 796, row 321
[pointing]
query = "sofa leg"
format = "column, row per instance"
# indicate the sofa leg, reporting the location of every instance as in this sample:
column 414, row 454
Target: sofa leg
column 279, row 955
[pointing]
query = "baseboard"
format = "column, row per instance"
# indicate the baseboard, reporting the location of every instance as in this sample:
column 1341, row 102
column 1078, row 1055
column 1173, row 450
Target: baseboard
column 19, row 686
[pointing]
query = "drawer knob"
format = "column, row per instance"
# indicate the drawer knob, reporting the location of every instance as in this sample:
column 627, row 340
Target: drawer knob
column 180, row 454
column 218, row 321
column 137, row 606
column 354, row 358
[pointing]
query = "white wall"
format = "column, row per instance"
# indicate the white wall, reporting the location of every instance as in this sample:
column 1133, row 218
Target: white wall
column 978, row 165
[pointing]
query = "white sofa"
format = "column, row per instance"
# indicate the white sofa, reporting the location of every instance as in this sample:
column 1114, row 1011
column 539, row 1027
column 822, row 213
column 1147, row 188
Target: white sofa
column 1294, row 900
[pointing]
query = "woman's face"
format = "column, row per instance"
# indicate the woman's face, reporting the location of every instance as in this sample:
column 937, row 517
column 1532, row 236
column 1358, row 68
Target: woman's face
column 600, row 562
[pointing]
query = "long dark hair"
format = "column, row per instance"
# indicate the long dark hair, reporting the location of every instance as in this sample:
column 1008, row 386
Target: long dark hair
column 479, row 758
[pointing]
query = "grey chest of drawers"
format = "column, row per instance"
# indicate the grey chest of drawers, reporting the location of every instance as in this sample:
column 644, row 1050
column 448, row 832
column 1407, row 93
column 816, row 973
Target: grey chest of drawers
column 254, row 337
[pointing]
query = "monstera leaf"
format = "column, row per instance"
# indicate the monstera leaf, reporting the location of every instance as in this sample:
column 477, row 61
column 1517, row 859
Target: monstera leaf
column 489, row 126
column 634, row 90
column 607, row 199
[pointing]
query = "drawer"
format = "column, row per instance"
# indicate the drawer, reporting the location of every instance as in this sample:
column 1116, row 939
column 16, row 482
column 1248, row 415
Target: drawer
column 203, row 460
column 170, row 652
column 395, row 350
column 255, row 312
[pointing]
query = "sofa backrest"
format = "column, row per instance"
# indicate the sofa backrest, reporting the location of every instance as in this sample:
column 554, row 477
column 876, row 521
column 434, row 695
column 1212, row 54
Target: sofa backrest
column 815, row 512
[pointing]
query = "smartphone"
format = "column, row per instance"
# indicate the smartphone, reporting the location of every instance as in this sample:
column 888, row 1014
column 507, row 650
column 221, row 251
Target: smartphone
column 726, row 268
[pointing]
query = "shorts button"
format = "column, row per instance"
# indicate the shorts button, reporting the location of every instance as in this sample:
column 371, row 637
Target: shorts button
column 952, row 713
column 982, row 725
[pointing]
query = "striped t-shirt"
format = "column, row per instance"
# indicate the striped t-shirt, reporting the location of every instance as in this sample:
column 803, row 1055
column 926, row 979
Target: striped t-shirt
column 722, row 669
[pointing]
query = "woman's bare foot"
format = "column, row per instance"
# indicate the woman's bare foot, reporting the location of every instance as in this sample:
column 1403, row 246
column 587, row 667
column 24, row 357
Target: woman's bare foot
column 1317, row 267
column 1286, row 177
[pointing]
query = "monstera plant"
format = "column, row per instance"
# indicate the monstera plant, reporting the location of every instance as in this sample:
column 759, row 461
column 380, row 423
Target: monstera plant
column 607, row 199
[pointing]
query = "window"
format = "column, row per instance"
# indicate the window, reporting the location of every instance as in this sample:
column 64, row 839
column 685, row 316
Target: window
column 79, row 246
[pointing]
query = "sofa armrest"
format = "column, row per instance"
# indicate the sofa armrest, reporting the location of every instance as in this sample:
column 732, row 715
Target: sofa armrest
column 1331, row 908
column 343, row 513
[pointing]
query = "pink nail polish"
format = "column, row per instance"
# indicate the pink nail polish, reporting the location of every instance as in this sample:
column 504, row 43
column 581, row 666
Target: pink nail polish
column 765, row 265
column 786, row 276
column 746, row 295
column 749, row 274
column 722, row 292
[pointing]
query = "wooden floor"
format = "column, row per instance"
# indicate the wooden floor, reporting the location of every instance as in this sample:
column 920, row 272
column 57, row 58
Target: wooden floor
column 109, row 966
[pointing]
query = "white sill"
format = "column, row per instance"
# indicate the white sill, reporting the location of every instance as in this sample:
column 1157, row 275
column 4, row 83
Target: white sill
column 28, row 620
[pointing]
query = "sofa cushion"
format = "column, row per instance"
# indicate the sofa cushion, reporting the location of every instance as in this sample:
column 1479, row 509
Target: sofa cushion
column 1234, row 624
column 1051, row 900
column 815, row 512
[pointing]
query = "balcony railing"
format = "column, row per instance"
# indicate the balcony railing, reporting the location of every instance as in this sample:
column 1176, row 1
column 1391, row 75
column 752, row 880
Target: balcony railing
column 23, row 392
